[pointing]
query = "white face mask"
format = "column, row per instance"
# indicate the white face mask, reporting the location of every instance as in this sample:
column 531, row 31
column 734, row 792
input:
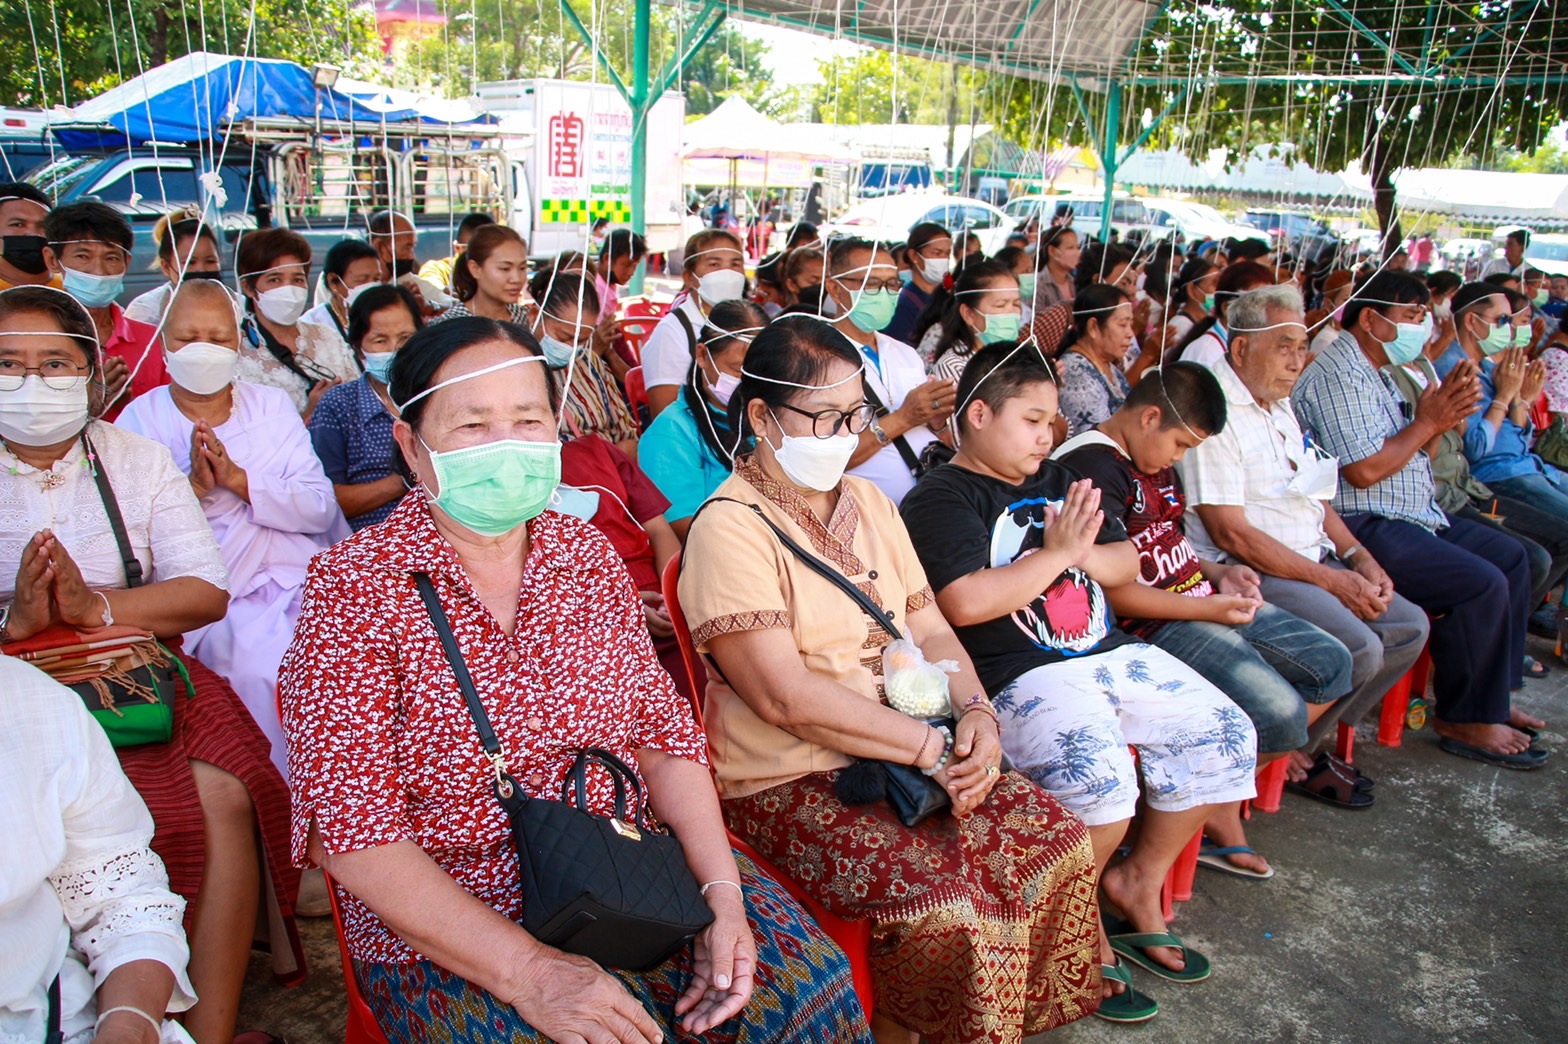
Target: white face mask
column 724, row 285
column 1443, row 310
column 353, row 295
column 935, row 268
column 38, row 415
column 283, row 304
column 201, row 367
column 814, row 463
column 724, row 387
column 1317, row 475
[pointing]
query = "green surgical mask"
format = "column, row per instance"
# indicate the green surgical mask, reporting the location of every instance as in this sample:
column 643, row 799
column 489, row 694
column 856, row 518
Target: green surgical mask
column 1497, row 338
column 1001, row 326
column 1208, row 303
column 1026, row 286
column 494, row 488
column 1542, row 296
column 1522, row 337
column 873, row 310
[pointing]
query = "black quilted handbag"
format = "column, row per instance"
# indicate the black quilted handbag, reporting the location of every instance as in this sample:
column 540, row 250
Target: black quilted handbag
column 615, row 890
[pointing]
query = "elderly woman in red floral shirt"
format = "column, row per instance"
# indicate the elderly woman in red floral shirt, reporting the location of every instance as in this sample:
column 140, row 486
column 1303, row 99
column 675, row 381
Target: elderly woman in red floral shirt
column 393, row 792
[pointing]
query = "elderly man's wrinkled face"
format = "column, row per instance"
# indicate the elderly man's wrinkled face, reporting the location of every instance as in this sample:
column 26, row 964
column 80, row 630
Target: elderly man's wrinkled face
column 1270, row 361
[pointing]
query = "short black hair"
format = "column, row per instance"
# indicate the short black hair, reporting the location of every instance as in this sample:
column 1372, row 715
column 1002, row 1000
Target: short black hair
column 415, row 365
column 1520, row 236
column 802, row 232
column 1246, row 249
column 622, row 242
column 1387, row 286
column 1186, row 393
column 61, row 308
column 473, row 221
column 1497, row 279
column 795, row 349
column 1098, row 261
column 22, row 190
column 376, row 299
column 88, row 219
column 555, row 290
column 344, row 253
column 999, row 372
column 1443, row 281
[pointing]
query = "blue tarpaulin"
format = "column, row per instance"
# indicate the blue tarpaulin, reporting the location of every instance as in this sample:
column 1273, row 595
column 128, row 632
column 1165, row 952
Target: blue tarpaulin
column 193, row 98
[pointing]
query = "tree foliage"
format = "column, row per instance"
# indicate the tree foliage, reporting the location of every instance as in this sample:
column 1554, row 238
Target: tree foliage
column 84, row 47
column 1409, row 86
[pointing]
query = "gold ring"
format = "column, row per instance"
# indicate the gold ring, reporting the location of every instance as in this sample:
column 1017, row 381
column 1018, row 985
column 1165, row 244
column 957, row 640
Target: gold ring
column 992, row 770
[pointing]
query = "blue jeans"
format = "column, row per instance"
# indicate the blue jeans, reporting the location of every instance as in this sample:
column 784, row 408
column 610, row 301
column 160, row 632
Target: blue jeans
column 1271, row 668
column 1547, row 492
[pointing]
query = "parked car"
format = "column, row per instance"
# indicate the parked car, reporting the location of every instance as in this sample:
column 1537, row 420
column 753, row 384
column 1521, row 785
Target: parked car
column 888, row 219
column 1189, row 222
column 1307, row 238
column 1127, row 213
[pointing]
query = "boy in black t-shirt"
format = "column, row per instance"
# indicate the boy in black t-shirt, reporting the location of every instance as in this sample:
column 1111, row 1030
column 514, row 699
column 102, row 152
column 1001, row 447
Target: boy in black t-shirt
column 1017, row 548
column 1272, row 664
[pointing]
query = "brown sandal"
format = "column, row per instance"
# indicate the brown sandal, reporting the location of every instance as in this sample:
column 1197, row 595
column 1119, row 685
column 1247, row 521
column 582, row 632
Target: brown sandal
column 1328, row 783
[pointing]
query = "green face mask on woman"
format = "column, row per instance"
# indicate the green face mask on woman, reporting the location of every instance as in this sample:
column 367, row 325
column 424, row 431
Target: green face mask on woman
column 1000, row 326
column 494, row 488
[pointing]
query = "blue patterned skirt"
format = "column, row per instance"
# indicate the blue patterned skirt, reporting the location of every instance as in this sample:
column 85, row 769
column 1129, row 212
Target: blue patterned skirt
column 802, row 991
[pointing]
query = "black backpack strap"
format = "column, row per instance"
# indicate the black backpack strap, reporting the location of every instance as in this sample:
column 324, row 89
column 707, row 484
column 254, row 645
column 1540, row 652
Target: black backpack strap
column 822, row 569
column 911, row 458
column 111, row 507
column 52, row 1034
column 506, row 787
column 691, row 335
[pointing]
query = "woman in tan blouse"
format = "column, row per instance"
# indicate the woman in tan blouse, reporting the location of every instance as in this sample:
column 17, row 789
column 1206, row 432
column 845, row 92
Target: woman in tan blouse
column 983, row 918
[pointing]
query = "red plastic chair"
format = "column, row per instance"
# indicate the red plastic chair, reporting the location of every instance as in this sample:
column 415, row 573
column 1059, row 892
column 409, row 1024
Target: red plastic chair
column 1396, row 708
column 1178, row 882
column 362, row 1027
column 636, row 389
column 639, row 317
column 1271, row 786
column 853, row 937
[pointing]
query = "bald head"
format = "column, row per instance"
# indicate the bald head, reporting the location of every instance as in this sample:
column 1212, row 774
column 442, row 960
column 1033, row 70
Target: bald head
column 200, row 310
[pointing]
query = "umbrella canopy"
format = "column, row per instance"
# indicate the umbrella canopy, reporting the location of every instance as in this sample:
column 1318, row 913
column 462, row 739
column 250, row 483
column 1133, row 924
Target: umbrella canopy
column 737, row 131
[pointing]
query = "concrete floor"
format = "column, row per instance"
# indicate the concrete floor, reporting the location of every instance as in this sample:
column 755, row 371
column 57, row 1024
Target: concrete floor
column 1437, row 915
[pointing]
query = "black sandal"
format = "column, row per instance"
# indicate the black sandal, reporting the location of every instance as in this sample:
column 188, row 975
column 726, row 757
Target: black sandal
column 1329, row 783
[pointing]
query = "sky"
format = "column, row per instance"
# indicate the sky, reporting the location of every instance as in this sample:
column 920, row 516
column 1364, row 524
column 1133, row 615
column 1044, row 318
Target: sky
column 794, row 54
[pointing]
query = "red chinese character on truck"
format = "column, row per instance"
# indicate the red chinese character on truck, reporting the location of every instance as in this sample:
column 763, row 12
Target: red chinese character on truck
column 566, row 145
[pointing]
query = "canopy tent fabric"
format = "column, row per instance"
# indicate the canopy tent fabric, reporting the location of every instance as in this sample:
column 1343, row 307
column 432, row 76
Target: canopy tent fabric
column 193, row 98
column 737, row 131
column 1036, row 39
column 392, row 100
column 1479, row 194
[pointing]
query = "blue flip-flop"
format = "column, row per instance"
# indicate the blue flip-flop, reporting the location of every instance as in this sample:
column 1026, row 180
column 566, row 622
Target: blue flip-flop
column 1213, row 857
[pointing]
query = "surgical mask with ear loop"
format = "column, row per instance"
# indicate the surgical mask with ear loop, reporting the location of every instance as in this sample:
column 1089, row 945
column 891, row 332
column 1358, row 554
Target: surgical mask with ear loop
column 724, row 284
column 807, row 461
column 44, row 412
column 1498, row 337
column 723, row 386
column 999, row 326
column 492, row 488
column 1409, row 338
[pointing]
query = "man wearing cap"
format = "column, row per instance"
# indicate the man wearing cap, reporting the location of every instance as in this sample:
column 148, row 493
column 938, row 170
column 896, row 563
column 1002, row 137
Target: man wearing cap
column 22, row 240
column 1472, row 579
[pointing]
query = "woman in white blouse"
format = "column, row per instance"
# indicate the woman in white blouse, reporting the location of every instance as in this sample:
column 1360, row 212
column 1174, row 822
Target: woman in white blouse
column 260, row 484
column 282, row 349
column 87, row 903
column 212, row 789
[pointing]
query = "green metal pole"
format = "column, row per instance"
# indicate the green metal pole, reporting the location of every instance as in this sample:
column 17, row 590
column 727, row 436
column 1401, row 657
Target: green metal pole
column 1108, row 149
column 641, row 105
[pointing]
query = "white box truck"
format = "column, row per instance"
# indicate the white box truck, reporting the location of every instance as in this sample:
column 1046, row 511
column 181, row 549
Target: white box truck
column 570, row 150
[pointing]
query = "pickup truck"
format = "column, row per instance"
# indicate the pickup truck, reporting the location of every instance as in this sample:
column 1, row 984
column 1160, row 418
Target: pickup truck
column 324, row 187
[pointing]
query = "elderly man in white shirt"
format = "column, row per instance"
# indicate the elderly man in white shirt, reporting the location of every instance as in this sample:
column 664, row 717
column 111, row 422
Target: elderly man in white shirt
column 89, row 931
column 1261, row 491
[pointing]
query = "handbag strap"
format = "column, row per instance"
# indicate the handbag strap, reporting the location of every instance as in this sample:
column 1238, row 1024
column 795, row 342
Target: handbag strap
column 52, row 1034
column 506, row 787
column 822, row 569
column 111, row 507
column 621, row 775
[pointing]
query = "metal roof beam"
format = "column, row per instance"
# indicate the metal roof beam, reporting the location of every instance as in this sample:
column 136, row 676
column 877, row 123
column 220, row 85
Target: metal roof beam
column 598, row 52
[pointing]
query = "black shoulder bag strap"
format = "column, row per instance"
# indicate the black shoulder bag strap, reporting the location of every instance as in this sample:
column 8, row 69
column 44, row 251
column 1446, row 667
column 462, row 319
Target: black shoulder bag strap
column 111, row 507
column 911, row 458
column 52, row 1034
column 822, row 569
column 506, row 789
column 691, row 335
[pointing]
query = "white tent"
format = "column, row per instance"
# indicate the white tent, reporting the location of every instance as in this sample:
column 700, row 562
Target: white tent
column 738, row 146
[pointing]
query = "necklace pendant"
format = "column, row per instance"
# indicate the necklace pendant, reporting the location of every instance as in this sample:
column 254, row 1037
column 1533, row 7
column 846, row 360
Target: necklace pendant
column 51, row 480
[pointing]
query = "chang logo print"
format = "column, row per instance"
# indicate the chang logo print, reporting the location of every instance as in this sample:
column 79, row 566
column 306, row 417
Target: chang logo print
column 1071, row 617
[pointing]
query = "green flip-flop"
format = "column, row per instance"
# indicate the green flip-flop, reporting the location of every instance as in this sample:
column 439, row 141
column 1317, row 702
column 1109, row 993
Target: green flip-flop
column 1128, row 1005
column 1133, row 944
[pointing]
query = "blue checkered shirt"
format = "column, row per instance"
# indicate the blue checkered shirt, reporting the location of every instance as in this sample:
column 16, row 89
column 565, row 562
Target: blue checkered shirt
column 1350, row 409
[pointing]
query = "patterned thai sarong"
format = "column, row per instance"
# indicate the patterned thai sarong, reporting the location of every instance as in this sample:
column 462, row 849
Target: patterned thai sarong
column 984, row 928
column 215, row 727
column 802, row 990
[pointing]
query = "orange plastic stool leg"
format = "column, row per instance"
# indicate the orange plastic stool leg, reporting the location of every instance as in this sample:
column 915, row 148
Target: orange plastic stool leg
column 1271, row 786
column 1391, row 722
column 1178, row 882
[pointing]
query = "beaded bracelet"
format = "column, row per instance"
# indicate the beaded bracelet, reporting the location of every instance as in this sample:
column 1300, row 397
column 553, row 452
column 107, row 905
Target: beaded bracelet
column 979, row 702
column 947, row 751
